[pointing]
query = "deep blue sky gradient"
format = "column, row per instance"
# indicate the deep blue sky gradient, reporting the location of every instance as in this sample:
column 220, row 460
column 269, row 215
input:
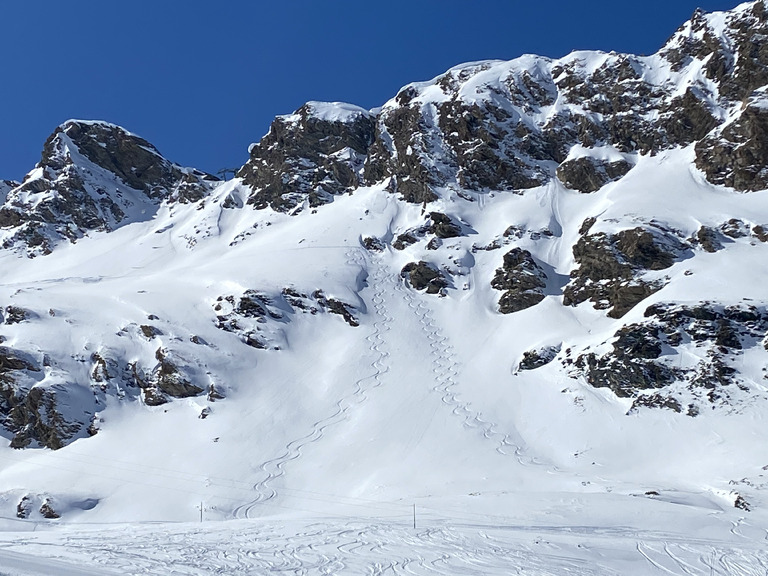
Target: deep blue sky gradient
column 201, row 79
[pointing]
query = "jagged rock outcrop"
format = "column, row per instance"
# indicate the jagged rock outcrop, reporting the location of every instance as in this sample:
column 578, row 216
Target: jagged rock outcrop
column 737, row 157
column 611, row 267
column 171, row 377
column 708, row 238
column 714, row 238
column 26, row 505
column 92, row 176
column 167, row 379
column 424, row 276
column 16, row 314
column 734, row 55
column 504, row 125
column 682, row 357
column 492, row 126
column 522, row 280
column 440, row 226
column 48, row 511
column 28, row 407
column 373, row 244
column 311, row 155
column 589, row 175
column 36, row 418
column 248, row 317
column 533, row 359
column 259, row 318
column 443, row 226
column 24, row 508
column 334, row 306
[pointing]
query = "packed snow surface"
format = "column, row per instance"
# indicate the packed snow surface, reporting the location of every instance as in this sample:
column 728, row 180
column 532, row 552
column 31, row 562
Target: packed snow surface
column 450, row 542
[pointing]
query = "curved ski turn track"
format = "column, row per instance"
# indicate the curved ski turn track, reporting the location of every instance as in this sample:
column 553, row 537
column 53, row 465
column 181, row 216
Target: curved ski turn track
column 443, row 368
column 275, row 468
column 447, row 370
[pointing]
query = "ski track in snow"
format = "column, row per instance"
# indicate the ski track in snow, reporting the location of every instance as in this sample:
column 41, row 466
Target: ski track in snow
column 447, row 370
column 322, row 548
column 275, row 468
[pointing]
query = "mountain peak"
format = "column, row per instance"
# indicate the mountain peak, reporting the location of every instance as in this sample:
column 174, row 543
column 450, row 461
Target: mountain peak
column 92, row 175
column 134, row 160
column 329, row 112
column 536, row 248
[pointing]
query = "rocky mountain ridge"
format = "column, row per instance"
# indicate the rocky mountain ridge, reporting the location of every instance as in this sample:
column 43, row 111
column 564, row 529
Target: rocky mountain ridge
column 600, row 193
column 92, row 176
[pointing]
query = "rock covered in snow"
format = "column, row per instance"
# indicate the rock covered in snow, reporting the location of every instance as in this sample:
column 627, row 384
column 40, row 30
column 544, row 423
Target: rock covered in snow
column 311, row 155
column 299, row 294
column 92, row 176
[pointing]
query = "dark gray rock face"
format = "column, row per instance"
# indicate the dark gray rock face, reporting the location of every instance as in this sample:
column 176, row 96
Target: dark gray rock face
column 646, row 364
column 589, row 175
column 307, row 157
column 521, row 280
column 401, row 153
column 440, row 226
column 735, row 228
column 167, row 378
column 373, row 244
column 170, row 377
column 738, row 61
column 611, row 266
column 443, row 226
column 48, row 511
column 424, row 276
column 334, row 306
column 761, row 232
column 446, row 135
column 92, row 176
column 738, row 156
column 708, row 239
column 131, row 158
column 30, row 412
column 629, row 368
column 248, row 316
column 16, row 315
column 688, row 118
column 491, row 151
column 421, row 145
column 490, row 126
column 406, row 239
column 533, row 359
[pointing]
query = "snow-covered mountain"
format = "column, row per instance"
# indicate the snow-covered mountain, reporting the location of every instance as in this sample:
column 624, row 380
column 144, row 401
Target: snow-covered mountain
column 528, row 281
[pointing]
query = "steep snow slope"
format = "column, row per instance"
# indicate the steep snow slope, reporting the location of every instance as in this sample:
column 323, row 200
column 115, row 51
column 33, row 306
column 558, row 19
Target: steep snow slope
column 423, row 385
column 525, row 294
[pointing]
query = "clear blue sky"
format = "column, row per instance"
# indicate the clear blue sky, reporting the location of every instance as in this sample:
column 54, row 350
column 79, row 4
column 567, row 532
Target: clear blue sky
column 202, row 79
